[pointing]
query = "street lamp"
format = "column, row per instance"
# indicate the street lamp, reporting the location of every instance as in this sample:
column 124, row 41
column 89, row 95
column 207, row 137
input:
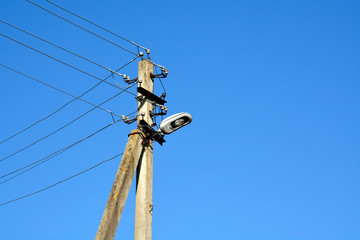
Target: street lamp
column 175, row 122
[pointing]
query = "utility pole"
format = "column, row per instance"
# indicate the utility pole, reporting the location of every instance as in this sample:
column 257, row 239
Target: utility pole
column 144, row 183
column 121, row 187
column 138, row 156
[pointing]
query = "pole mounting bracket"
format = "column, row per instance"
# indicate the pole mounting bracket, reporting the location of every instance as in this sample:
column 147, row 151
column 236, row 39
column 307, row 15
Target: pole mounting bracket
column 150, row 96
column 150, row 133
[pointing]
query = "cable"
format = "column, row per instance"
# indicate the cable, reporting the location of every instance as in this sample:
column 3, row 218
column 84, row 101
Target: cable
column 69, row 94
column 43, row 160
column 148, row 60
column 160, row 81
column 52, row 155
column 77, row 55
column 147, row 50
column 80, row 27
column 96, row 25
column 162, row 116
column 59, row 129
column 64, row 180
column 69, row 65
column 62, row 107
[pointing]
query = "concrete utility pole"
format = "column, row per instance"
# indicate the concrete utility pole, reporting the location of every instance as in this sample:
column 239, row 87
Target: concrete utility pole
column 120, row 188
column 137, row 157
column 144, row 207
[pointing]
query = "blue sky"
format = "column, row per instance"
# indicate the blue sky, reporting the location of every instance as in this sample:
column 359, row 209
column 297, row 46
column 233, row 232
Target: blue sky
column 273, row 149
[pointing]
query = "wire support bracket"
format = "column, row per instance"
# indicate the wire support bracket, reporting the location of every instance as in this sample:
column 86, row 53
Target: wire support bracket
column 163, row 74
column 150, row 96
column 127, row 120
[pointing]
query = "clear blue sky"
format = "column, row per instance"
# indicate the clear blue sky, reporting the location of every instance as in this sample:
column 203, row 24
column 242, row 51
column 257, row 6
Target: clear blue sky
column 274, row 90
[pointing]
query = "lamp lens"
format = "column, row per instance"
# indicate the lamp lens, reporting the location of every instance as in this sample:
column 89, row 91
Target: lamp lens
column 178, row 122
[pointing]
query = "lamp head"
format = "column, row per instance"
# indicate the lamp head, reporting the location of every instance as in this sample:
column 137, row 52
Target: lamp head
column 175, row 122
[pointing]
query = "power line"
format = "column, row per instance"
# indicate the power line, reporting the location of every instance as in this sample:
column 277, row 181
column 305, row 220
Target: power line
column 52, row 155
column 59, row 129
column 57, row 89
column 148, row 60
column 69, row 65
column 43, row 160
column 160, row 81
column 157, row 65
column 62, row 107
column 76, row 15
column 64, row 180
column 57, row 46
column 43, row 8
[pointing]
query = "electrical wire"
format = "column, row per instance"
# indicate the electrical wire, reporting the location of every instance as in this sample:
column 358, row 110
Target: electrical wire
column 63, row 106
column 51, row 156
column 162, row 116
column 61, row 128
column 69, row 65
column 148, row 60
column 57, row 46
column 43, row 160
column 64, row 180
column 160, row 81
column 57, row 89
column 76, row 15
column 157, row 65
column 54, row 154
column 43, row 8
